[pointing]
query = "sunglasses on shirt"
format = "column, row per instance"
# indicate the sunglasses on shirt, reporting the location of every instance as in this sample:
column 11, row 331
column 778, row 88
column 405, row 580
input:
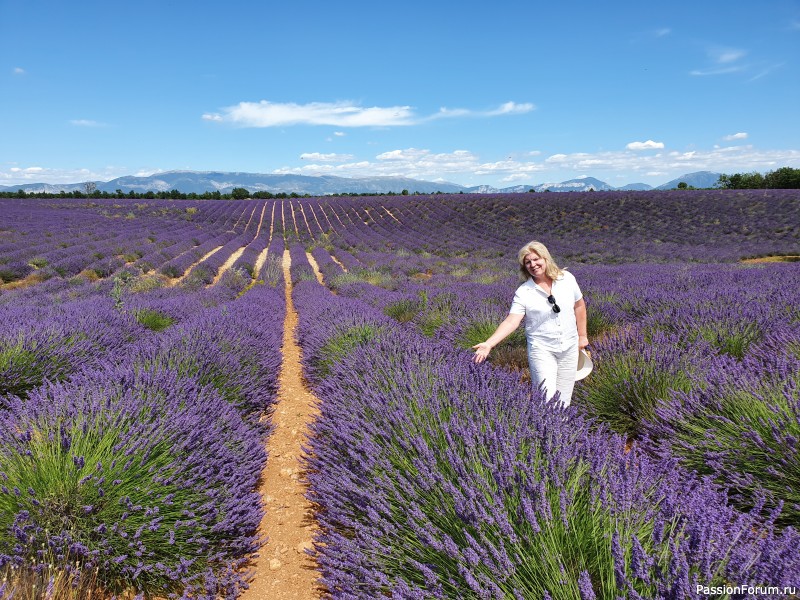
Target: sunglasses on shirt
column 552, row 300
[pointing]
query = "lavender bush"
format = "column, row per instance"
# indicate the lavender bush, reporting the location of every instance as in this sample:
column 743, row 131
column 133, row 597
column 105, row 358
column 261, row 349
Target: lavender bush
column 123, row 472
column 634, row 373
column 436, row 481
column 743, row 429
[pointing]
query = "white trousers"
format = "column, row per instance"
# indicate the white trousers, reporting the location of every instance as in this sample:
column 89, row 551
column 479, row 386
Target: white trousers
column 554, row 371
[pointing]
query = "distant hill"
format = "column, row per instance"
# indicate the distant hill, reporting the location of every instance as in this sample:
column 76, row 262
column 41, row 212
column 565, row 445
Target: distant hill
column 698, row 179
column 222, row 181
column 636, row 187
column 582, row 184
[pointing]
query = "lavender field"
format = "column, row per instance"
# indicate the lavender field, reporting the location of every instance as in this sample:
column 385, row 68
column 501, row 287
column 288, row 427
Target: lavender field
column 140, row 352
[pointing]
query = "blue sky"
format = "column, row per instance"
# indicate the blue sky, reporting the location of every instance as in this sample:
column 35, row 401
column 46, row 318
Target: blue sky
column 499, row 93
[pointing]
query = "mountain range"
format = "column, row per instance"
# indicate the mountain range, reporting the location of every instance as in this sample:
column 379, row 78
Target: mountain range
column 209, row 181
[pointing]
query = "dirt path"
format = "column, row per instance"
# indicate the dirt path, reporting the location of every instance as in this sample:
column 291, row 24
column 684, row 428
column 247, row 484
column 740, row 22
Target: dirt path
column 315, row 268
column 227, row 265
column 175, row 282
column 284, row 570
column 338, row 262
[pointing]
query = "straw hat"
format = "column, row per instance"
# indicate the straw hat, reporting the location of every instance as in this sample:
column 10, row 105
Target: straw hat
column 585, row 365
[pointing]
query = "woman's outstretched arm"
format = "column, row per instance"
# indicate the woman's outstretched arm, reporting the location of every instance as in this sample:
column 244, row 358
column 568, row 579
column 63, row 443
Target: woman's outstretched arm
column 503, row 330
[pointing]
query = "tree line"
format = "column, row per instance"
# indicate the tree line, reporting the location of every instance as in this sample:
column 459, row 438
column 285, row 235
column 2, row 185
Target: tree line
column 784, row 178
column 91, row 192
column 234, row 194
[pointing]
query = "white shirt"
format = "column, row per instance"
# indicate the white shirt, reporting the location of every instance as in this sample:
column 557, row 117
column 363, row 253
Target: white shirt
column 543, row 327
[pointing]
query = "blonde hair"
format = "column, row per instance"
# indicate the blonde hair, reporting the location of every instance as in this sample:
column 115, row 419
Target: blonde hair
column 551, row 269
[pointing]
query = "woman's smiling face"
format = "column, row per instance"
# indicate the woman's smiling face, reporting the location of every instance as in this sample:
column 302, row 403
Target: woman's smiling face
column 535, row 265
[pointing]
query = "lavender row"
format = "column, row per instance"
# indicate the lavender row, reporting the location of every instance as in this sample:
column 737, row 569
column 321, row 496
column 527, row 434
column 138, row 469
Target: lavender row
column 440, row 478
column 657, row 351
column 163, row 496
column 105, row 238
column 601, row 227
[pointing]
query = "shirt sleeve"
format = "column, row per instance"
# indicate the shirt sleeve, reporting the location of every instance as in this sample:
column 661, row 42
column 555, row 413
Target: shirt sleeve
column 517, row 305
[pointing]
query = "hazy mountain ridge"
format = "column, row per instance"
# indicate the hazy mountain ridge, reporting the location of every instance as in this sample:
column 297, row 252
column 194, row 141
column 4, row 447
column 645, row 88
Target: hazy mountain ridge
column 224, row 181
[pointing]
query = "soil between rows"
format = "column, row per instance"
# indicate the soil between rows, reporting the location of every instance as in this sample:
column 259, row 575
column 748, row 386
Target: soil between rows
column 284, row 570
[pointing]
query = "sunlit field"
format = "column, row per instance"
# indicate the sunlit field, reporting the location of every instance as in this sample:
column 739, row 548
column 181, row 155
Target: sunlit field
column 140, row 347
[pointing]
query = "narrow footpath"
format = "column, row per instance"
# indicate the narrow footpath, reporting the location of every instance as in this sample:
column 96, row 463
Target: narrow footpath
column 284, row 571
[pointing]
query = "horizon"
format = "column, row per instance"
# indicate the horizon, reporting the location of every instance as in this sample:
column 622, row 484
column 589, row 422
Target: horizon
column 8, row 188
column 625, row 93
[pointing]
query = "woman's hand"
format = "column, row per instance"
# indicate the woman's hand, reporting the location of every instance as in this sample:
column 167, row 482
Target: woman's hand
column 583, row 342
column 481, row 351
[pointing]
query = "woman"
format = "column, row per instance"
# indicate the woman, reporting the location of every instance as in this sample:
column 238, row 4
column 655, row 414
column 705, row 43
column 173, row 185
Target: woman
column 552, row 305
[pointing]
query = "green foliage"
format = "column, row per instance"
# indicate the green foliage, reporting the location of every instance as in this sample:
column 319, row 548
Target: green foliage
column 145, row 283
column 198, row 277
column 403, row 311
column 87, row 476
column 629, row 383
column 380, row 277
column 598, row 323
column 171, row 271
column 38, row 262
column 344, row 342
column 18, row 358
column 785, row 178
column 25, row 365
column 7, row 275
column 121, row 281
column 152, row 319
column 745, row 437
column 239, row 193
column 435, row 313
column 733, row 339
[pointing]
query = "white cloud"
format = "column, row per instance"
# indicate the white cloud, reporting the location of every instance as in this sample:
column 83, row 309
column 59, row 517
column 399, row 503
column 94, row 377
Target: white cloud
column 512, row 108
column 735, row 136
column 725, row 61
column 467, row 166
column 663, row 31
column 86, row 123
column 339, row 133
column 17, row 175
column 339, row 114
column 727, row 55
column 330, row 157
column 18, row 71
column 343, row 114
column 720, row 71
column 648, row 145
column 730, row 159
column 464, row 165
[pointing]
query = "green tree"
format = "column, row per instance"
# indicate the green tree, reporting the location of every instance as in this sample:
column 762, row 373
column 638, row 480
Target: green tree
column 784, row 178
column 239, row 193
